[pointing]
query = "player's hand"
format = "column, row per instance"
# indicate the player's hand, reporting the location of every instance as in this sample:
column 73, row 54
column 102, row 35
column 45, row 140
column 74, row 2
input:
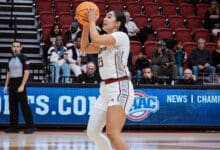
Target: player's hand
column 5, row 90
column 92, row 15
column 20, row 89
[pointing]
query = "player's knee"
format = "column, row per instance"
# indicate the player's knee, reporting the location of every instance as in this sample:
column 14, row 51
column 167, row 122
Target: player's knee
column 112, row 135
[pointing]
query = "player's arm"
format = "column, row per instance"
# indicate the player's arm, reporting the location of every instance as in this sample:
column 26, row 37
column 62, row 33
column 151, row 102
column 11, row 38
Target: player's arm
column 25, row 78
column 6, row 82
column 85, row 46
column 25, row 63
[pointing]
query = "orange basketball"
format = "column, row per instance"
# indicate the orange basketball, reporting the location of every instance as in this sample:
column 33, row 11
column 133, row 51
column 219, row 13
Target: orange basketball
column 81, row 12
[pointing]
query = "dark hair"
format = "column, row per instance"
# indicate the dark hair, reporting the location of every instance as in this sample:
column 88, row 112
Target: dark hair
column 121, row 17
column 15, row 41
column 52, row 30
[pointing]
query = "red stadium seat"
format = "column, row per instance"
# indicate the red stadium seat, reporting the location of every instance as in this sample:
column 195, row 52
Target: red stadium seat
column 180, row 1
column 46, row 18
column 97, row 1
column 134, row 8
column 65, row 28
column 189, row 46
column 109, row 1
column 126, row 2
column 183, row 35
column 140, row 20
column 164, row 33
column 150, row 37
column 116, row 5
column 100, row 19
column 211, row 46
column 201, row 33
column 62, row 6
column 151, row 8
column 194, row 22
column 76, row 3
column 101, row 6
column 169, row 9
column 158, row 21
column 135, row 47
column 186, row 9
column 201, row 9
column 65, row 18
column 46, row 35
column 44, row 6
column 176, row 22
column 143, row 1
column 163, row 1
column 149, row 47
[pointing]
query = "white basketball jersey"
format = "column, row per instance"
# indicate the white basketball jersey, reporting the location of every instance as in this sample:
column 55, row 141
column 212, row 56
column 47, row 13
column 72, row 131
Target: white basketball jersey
column 113, row 59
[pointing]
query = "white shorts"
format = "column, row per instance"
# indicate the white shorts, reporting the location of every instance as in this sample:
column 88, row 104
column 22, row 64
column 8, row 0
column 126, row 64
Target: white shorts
column 116, row 93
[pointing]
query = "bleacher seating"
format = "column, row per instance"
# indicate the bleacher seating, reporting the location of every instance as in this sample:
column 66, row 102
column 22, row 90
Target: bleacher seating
column 183, row 34
column 210, row 46
column 186, row 9
column 46, row 18
column 140, row 20
column 164, row 33
column 116, row 5
column 62, row 6
column 151, row 8
column 158, row 21
column 169, row 9
column 177, row 20
column 135, row 47
column 134, row 7
column 149, row 47
column 201, row 33
column 43, row 5
column 189, row 46
column 194, row 22
column 65, row 18
column 201, row 9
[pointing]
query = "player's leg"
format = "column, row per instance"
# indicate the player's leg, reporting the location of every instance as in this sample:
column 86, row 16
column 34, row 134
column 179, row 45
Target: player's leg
column 114, row 123
column 95, row 126
column 13, row 107
column 25, row 108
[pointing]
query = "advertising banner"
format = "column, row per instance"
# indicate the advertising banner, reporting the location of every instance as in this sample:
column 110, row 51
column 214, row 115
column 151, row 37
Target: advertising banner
column 152, row 106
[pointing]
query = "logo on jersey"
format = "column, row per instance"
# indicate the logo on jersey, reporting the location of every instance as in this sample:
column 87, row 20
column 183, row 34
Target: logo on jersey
column 143, row 106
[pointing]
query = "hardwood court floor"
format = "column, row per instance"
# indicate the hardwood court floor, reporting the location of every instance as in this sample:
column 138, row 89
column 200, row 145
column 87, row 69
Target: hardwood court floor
column 77, row 140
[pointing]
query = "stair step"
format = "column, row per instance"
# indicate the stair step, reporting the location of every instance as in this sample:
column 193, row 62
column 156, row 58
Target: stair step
column 26, row 2
column 19, row 20
column 24, row 12
column 20, row 34
column 17, row 14
column 19, row 27
column 17, row 7
column 23, row 41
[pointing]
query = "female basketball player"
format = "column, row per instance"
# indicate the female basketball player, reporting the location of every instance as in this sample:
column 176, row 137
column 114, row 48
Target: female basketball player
column 116, row 90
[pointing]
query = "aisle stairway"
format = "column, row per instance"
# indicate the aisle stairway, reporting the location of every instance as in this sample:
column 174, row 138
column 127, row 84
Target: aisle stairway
column 24, row 17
